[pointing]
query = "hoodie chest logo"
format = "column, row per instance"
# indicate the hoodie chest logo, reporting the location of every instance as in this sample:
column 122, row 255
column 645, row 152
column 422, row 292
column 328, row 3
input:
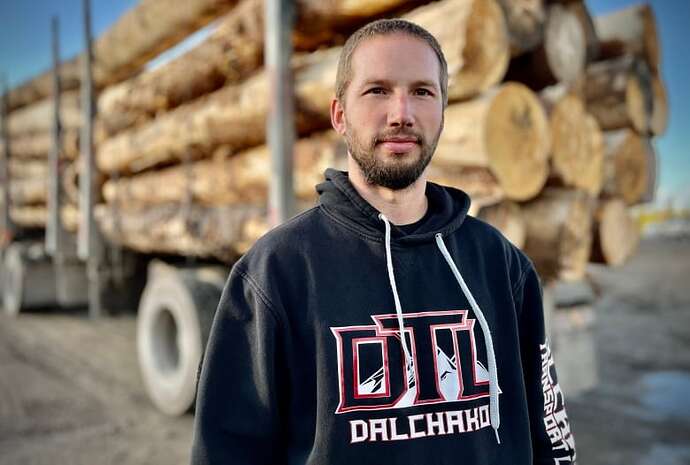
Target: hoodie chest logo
column 443, row 366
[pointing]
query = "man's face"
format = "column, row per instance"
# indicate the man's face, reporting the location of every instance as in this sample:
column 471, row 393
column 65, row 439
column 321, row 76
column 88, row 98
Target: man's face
column 392, row 113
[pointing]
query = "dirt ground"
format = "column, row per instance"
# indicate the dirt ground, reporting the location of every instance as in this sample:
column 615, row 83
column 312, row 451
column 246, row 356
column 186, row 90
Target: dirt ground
column 70, row 390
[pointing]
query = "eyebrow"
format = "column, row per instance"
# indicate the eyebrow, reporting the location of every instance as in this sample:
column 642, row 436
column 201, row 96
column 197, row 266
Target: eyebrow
column 385, row 82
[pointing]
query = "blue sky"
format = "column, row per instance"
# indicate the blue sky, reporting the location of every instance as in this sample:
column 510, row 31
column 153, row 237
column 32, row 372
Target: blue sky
column 25, row 51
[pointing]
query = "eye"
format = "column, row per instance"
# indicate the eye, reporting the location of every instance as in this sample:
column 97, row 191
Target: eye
column 376, row 91
column 423, row 92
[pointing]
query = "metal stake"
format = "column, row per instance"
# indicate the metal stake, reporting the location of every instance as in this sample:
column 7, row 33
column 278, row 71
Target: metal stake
column 280, row 125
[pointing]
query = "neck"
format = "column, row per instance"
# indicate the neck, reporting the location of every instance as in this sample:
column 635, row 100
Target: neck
column 403, row 206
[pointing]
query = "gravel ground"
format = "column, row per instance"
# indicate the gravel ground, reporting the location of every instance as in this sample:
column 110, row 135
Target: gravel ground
column 70, row 390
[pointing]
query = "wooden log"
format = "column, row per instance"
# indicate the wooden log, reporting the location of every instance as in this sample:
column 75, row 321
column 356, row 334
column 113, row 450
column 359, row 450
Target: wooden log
column 626, row 166
column 231, row 53
column 577, row 151
column 39, row 145
column 143, row 32
column 235, row 115
column 229, row 180
column 618, row 93
column 35, row 216
column 525, row 21
column 629, row 31
column 581, row 12
column 222, row 232
column 504, row 130
column 29, row 216
column 38, row 117
column 616, row 236
column 559, row 235
column 560, row 58
column 27, row 169
column 507, row 217
column 659, row 119
column 477, row 182
column 30, row 191
column 474, row 39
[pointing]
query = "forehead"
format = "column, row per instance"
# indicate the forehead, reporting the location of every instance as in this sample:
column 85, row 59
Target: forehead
column 395, row 57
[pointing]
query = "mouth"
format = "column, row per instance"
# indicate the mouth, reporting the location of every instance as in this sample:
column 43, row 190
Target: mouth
column 399, row 144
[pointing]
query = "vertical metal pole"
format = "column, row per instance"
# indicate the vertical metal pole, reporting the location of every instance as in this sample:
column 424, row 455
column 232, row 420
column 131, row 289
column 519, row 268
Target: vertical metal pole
column 6, row 228
column 89, row 246
column 53, row 236
column 280, row 125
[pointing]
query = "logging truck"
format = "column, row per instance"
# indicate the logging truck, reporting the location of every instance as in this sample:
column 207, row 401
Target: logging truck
column 145, row 202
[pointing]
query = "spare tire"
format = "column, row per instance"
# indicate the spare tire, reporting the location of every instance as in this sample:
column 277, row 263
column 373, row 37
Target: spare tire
column 174, row 318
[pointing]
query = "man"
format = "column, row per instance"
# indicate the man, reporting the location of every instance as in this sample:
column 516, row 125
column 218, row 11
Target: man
column 383, row 326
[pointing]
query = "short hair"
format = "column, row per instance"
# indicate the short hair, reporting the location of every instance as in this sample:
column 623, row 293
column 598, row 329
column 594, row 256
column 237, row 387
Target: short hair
column 384, row 27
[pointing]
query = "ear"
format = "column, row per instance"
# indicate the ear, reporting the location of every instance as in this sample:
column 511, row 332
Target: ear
column 338, row 116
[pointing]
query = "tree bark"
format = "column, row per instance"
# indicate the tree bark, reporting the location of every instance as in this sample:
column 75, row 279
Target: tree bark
column 235, row 115
column 38, row 117
column 223, row 232
column 504, row 130
column 627, row 170
column 232, row 52
column 618, row 93
column 238, row 179
column 27, row 169
column 629, row 31
column 39, row 145
column 560, row 58
column 559, row 235
column 506, row 217
column 143, row 32
column 30, row 191
column 615, row 234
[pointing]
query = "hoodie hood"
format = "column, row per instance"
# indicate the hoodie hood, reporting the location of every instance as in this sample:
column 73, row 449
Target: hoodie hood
column 340, row 198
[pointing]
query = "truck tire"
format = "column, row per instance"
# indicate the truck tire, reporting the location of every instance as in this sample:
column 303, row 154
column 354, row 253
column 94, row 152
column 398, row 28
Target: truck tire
column 174, row 318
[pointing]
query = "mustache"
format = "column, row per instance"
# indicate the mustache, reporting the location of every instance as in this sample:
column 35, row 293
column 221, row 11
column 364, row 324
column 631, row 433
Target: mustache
column 381, row 137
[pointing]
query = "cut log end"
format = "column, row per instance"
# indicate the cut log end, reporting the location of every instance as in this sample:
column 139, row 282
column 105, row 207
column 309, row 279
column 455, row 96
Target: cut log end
column 517, row 141
column 507, row 218
column 616, row 235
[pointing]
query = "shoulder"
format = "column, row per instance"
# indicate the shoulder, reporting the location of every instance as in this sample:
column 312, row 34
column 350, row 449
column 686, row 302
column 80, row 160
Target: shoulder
column 283, row 249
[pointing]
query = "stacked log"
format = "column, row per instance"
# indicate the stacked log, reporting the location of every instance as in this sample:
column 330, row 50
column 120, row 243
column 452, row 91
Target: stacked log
column 548, row 126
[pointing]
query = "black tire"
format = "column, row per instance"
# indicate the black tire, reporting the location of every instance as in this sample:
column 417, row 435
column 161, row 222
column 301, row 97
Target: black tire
column 173, row 323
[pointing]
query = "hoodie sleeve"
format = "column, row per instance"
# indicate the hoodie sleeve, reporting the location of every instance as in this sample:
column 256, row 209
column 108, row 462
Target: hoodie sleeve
column 552, row 440
column 237, row 411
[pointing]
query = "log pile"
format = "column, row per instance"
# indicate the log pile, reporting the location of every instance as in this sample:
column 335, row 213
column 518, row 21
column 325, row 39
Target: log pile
column 550, row 117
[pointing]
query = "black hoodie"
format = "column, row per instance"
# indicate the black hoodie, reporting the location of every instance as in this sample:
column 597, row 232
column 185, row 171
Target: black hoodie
column 305, row 364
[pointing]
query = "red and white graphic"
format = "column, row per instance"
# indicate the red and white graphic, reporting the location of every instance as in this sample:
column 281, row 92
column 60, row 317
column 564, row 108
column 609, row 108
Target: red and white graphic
column 445, row 363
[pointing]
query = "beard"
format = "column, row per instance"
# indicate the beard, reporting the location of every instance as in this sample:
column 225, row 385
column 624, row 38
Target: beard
column 396, row 174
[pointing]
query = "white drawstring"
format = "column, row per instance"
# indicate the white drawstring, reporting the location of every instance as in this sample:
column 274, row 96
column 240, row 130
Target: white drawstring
column 490, row 355
column 398, row 307
column 493, row 374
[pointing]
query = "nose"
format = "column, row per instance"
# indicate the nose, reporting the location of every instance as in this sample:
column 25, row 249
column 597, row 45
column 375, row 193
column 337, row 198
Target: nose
column 400, row 112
